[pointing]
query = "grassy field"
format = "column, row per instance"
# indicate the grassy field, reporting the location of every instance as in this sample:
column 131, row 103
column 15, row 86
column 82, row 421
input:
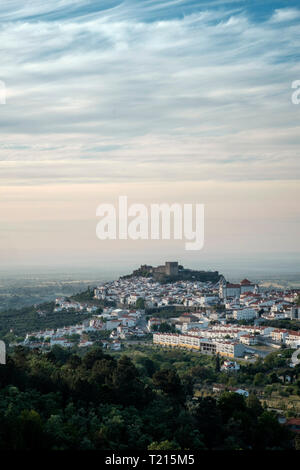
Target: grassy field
column 285, row 404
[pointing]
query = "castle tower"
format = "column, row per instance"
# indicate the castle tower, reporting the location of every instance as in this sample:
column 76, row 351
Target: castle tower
column 171, row 268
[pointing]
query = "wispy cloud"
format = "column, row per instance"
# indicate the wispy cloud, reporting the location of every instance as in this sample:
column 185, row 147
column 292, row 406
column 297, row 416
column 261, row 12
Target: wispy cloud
column 142, row 90
column 285, row 14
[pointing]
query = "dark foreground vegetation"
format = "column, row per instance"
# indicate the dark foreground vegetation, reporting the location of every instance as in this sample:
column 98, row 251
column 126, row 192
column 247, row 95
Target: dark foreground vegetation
column 59, row 400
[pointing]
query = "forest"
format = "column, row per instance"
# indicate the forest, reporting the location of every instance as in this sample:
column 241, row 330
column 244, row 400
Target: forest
column 61, row 400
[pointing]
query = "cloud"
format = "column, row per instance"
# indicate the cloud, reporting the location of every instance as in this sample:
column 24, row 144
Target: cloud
column 285, row 14
column 168, row 90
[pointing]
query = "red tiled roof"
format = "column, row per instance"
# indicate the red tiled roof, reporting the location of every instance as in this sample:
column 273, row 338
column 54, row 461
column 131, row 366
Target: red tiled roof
column 245, row 282
column 293, row 422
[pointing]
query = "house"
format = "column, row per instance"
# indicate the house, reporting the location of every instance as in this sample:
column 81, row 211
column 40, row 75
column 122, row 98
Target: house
column 241, row 391
column 244, row 314
column 228, row 289
column 230, row 349
column 85, row 343
column 127, row 320
column 219, row 388
column 229, row 366
column 115, row 346
column 63, row 342
column 293, row 424
column 248, row 339
column 2, row 353
column 153, row 321
column 188, row 318
column 293, row 339
column 247, row 286
column 279, row 335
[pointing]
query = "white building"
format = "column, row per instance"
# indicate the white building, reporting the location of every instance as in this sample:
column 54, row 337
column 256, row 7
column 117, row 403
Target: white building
column 228, row 289
column 279, row 335
column 293, row 339
column 230, row 366
column 230, row 349
column 245, row 314
column 248, row 339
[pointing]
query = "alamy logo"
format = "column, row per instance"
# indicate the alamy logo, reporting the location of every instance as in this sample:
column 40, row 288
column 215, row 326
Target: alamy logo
column 2, row 92
column 154, row 224
column 296, row 93
column 2, row 353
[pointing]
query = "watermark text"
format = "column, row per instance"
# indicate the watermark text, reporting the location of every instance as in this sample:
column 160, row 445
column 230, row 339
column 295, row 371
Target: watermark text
column 159, row 222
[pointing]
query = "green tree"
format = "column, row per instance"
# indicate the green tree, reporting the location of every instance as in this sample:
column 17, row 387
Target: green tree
column 140, row 303
column 218, row 363
column 209, row 421
column 164, row 445
column 230, row 404
column 254, row 404
column 31, row 429
column 259, row 379
column 169, row 382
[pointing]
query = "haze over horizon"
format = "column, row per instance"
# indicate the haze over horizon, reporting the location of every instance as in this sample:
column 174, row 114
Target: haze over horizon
column 256, row 269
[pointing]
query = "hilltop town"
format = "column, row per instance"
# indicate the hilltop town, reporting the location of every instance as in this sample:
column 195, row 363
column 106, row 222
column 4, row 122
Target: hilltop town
column 233, row 320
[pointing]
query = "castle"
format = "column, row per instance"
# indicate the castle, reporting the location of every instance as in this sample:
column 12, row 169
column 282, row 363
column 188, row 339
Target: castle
column 172, row 271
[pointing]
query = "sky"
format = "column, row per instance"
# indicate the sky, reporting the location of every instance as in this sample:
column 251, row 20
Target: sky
column 163, row 101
